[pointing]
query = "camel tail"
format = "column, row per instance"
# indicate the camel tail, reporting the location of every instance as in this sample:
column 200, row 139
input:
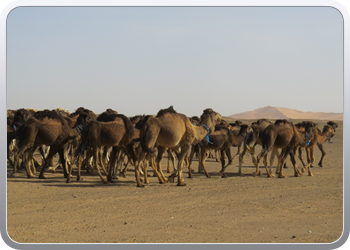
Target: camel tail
column 129, row 134
column 145, row 148
column 143, row 139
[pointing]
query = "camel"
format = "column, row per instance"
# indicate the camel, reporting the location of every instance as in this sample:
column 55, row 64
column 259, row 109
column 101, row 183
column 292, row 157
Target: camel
column 53, row 130
column 284, row 135
column 320, row 137
column 15, row 120
column 252, row 139
column 222, row 140
column 112, row 134
column 173, row 130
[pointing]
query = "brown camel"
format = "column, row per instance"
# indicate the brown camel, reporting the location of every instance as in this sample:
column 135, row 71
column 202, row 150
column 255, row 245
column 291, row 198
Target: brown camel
column 53, row 130
column 112, row 134
column 222, row 139
column 284, row 135
column 173, row 130
column 252, row 139
column 15, row 120
column 319, row 138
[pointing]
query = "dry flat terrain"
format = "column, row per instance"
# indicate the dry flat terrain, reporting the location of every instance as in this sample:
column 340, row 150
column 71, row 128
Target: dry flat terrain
column 216, row 210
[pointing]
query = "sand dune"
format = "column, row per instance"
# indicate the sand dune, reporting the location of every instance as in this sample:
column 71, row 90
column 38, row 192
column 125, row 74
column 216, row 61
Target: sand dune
column 286, row 113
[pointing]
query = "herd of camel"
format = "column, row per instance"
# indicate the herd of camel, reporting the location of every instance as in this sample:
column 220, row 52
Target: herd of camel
column 105, row 142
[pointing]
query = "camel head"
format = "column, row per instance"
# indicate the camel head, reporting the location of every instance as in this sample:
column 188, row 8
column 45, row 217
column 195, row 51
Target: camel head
column 329, row 131
column 310, row 128
column 333, row 124
column 20, row 117
column 245, row 131
column 210, row 118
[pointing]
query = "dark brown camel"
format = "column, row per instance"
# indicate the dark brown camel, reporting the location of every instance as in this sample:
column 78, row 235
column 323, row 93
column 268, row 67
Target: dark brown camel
column 173, row 130
column 113, row 134
column 284, row 135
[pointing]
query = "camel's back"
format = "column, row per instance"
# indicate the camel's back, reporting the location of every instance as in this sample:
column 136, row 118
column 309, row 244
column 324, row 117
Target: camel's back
column 175, row 127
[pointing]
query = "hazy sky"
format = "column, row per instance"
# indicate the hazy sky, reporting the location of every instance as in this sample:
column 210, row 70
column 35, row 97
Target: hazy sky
column 138, row 60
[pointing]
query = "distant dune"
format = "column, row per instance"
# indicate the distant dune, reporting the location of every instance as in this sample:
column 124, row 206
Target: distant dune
column 285, row 113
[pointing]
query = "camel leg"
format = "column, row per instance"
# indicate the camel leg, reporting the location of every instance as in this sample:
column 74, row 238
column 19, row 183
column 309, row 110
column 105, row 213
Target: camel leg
column 170, row 158
column 261, row 155
column 137, row 164
column 320, row 146
column 274, row 154
column 296, row 171
column 282, row 158
column 96, row 160
column 52, row 152
column 70, row 168
column 202, row 161
column 267, row 170
column 112, row 161
column 159, row 172
column 145, row 167
column 180, row 178
column 238, row 152
column 190, row 162
column 223, row 166
column 240, row 160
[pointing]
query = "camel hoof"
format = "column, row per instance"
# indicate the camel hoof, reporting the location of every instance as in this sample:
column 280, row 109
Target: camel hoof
column 297, row 175
column 223, row 176
column 256, row 174
column 42, row 177
column 181, row 184
column 140, row 186
column 281, row 176
column 208, row 176
column 68, row 181
column 311, row 175
column 171, row 179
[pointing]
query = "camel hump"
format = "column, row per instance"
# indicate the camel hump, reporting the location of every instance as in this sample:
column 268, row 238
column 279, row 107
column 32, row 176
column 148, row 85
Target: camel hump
column 82, row 110
column 169, row 110
column 50, row 114
column 281, row 121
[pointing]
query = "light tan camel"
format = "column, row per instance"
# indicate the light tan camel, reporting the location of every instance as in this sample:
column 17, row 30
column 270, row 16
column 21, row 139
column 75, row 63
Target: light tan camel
column 319, row 138
column 284, row 135
column 173, row 130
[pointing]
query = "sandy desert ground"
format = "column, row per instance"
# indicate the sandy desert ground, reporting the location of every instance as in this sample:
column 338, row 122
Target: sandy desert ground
column 207, row 210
